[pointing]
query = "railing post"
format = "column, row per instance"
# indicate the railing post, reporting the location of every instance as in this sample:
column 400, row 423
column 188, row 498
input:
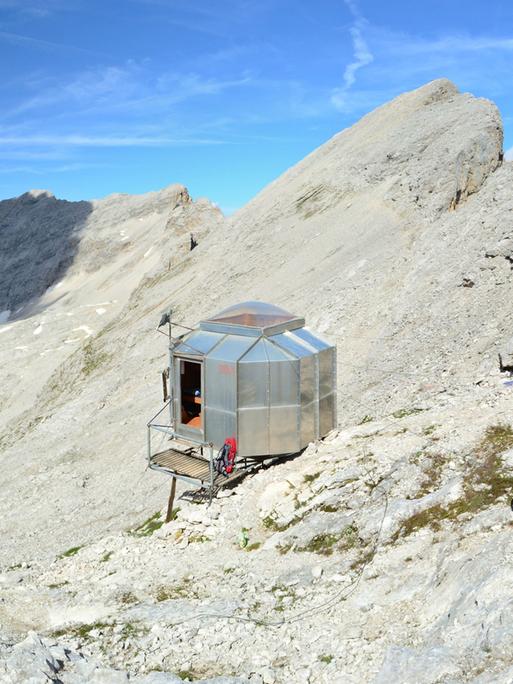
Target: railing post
column 211, row 458
column 149, row 444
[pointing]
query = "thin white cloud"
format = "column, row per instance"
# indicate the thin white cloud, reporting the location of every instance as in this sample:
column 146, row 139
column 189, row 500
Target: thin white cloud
column 104, row 141
column 508, row 155
column 404, row 45
column 362, row 56
column 130, row 88
column 29, row 41
column 62, row 168
column 37, row 8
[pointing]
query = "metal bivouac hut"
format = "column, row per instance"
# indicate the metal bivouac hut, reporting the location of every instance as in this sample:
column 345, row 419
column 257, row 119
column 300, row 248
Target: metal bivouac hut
column 253, row 373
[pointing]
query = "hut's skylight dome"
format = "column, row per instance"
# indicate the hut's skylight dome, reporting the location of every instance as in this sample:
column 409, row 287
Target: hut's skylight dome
column 253, row 315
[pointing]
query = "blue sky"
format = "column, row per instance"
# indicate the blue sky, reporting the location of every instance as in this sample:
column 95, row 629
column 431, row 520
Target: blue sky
column 220, row 95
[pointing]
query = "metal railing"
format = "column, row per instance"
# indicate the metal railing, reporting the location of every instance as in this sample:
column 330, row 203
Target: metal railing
column 169, row 430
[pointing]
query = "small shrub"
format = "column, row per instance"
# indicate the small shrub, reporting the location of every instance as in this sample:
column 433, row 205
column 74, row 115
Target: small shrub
column 283, row 548
column 182, row 590
column 326, row 658
column 281, row 593
column 70, row 552
column 326, row 542
column 429, row 429
column 403, row 413
column 254, row 546
column 58, row 585
column 81, row 631
column 322, row 543
column 366, row 419
column 106, row 557
column 127, row 598
column 311, row 478
column 131, row 629
column 270, row 523
column 328, row 508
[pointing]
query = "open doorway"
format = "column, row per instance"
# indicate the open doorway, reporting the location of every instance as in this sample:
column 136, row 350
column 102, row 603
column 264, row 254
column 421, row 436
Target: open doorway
column 191, row 395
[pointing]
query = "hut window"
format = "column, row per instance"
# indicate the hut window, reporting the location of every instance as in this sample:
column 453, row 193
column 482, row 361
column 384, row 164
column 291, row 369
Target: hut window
column 191, row 395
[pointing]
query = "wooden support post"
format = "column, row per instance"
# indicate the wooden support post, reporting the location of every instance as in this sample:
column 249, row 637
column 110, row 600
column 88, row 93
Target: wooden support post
column 171, row 501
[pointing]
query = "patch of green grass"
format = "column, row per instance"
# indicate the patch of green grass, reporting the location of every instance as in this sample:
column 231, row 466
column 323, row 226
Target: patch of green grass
column 282, row 593
column 365, row 555
column 128, row 598
column 270, row 522
column 322, row 543
column 16, row 566
column 198, row 539
column 130, row 630
column 283, row 548
column 148, row 527
column 366, row 419
column 485, row 483
column 174, row 513
column 429, row 429
column 416, row 456
column 106, row 557
column 93, row 359
column 70, row 552
column 81, row 631
column 432, row 475
column 326, row 658
column 182, row 590
column 326, row 542
column 403, row 413
column 254, row 546
column 228, row 571
column 58, row 585
column 311, row 478
column 328, row 508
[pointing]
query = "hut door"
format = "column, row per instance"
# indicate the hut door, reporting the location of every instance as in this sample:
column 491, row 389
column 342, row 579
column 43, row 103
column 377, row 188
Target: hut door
column 191, row 394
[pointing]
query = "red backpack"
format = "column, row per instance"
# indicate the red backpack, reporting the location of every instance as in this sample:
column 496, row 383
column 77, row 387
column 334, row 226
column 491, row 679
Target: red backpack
column 225, row 460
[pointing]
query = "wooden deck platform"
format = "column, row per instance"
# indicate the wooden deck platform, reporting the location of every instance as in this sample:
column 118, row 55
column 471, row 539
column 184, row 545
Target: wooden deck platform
column 192, row 467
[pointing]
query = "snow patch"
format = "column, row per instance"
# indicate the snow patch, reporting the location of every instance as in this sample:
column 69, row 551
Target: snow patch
column 100, row 311
column 38, row 330
column 86, row 329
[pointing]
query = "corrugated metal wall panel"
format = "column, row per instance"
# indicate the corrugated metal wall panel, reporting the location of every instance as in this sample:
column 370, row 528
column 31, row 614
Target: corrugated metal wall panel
column 253, row 431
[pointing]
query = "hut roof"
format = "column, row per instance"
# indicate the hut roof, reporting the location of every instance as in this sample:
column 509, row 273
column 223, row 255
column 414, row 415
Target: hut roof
column 253, row 315
column 252, row 318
